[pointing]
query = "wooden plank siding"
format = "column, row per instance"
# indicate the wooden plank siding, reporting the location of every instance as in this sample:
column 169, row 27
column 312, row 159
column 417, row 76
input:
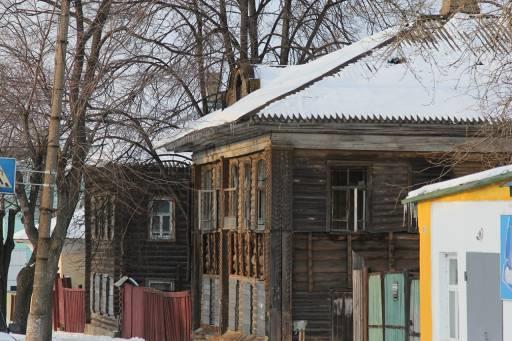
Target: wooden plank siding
column 130, row 251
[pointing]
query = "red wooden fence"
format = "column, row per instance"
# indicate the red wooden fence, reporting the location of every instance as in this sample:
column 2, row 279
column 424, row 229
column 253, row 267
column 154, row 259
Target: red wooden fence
column 68, row 307
column 155, row 315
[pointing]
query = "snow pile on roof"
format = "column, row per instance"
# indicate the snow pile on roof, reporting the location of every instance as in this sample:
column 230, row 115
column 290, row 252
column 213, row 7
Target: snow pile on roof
column 467, row 180
column 283, row 81
column 76, row 229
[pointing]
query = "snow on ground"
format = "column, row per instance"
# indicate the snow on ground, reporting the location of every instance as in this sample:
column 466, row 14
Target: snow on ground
column 62, row 336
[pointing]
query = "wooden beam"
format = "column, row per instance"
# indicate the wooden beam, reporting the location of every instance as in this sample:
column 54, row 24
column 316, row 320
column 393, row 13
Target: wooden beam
column 349, row 260
column 310, row 262
column 367, row 142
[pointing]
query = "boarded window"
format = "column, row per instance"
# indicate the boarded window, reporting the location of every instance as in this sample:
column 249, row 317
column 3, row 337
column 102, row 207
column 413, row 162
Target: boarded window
column 348, row 193
column 161, row 284
column 162, row 224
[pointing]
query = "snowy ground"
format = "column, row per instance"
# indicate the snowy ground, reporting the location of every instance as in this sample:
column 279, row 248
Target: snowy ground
column 61, row 336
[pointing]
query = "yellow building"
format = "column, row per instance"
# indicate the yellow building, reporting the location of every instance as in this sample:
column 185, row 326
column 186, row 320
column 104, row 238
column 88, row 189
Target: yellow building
column 465, row 227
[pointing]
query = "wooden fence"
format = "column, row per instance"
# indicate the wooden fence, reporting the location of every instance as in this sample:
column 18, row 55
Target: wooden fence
column 156, row 315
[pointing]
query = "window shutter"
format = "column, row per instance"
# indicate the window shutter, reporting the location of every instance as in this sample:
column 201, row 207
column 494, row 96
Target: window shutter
column 97, row 283
column 111, row 297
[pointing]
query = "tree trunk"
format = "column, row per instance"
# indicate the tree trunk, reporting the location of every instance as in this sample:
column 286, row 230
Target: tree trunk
column 39, row 325
column 253, row 31
column 244, row 23
column 24, row 283
column 285, row 34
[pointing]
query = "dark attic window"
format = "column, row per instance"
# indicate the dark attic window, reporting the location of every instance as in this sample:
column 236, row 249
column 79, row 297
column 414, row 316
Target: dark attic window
column 397, row 60
column 238, row 87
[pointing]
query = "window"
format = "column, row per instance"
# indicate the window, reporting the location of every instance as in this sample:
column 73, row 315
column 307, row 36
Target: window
column 207, row 203
column 162, row 285
column 162, row 219
column 247, row 195
column 261, row 194
column 348, row 198
column 231, row 199
column 450, row 296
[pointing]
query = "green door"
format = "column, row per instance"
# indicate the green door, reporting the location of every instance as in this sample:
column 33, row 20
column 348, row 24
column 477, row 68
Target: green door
column 414, row 311
column 375, row 328
column 394, row 307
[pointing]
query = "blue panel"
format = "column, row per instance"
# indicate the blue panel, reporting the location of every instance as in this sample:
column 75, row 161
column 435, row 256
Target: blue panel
column 7, row 175
column 506, row 258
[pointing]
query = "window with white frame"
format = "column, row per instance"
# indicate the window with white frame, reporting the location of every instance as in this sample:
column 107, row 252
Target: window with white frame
column 449, row 298
column 348, row 198
column 162, row 224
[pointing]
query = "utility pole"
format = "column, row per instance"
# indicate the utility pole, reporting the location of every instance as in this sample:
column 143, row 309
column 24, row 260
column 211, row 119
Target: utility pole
column 40, row 317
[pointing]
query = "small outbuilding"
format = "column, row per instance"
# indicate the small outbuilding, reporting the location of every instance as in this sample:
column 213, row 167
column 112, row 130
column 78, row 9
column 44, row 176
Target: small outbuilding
column 465, row 227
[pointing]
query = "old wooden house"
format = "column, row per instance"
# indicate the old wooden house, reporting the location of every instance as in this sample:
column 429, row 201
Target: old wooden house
column 137, row 225
column 298, row 180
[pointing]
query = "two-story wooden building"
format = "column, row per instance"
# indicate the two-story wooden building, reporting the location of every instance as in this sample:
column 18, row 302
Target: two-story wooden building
column 298, row 180
column 137, row 225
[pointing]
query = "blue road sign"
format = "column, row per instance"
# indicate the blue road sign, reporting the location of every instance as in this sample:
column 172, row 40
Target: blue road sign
column 7, row 175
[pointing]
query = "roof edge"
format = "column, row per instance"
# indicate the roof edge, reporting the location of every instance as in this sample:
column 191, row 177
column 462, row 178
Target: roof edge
column 458, row 188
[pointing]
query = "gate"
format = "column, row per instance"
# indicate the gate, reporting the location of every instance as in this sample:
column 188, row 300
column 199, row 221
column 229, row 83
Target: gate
column 341, row 316
column 393, row 307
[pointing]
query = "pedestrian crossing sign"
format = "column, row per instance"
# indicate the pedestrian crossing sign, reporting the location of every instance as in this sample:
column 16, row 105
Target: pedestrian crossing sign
column 7, row 175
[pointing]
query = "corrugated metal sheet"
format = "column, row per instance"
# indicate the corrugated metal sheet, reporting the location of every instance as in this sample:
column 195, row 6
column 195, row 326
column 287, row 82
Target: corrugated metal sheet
column 68, row 309
column 74, row 303
column 157, row 316
column 394, row 307
column 375, row 320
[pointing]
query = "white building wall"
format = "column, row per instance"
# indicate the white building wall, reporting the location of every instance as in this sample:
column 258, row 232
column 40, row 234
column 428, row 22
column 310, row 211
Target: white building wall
column 454, row 229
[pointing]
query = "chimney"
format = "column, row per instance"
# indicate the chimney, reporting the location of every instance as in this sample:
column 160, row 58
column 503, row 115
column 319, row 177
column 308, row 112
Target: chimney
column 450, row 7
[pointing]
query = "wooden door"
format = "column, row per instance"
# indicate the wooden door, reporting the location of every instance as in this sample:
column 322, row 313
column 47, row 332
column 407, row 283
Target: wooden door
column 375, row 320
column 394, row 307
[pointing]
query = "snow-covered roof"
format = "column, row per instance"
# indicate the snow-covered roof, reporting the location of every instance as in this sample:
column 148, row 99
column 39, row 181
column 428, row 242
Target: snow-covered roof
column 460, row 184
column 279, row 82
column 436, row 70
column 76, row 229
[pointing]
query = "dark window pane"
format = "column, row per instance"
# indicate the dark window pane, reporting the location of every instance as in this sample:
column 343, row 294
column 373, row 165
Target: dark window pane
column 339, row 202
column 161, row 206
column 155, row 226
column 339, row 177
column 166, row 225
column 357, row 177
